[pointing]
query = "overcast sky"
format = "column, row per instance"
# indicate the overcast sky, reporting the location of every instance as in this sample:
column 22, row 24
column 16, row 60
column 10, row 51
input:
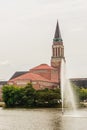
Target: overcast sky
column 27, row 29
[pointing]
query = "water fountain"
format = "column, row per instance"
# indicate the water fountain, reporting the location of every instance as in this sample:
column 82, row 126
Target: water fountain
column 67, row 93
column 62, row 83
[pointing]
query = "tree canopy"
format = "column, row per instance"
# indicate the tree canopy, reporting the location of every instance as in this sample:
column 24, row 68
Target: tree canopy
column 27, row 96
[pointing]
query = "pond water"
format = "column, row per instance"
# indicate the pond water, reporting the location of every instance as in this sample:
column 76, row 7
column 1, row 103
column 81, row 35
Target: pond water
column 41, row 119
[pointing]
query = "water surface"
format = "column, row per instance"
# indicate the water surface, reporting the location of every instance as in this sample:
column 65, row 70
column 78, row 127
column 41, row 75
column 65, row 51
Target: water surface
column 41, row 119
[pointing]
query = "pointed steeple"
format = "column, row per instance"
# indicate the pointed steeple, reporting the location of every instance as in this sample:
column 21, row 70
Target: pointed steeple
column 57, row 36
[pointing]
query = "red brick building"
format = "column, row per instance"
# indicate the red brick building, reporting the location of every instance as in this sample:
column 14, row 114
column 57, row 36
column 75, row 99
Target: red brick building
column 43, row 75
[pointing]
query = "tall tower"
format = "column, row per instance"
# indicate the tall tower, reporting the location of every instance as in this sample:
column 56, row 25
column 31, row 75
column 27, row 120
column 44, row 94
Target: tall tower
column 57, row 50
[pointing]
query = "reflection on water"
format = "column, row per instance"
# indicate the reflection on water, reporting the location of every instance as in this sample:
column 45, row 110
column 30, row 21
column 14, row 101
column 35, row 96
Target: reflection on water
column 41, row 119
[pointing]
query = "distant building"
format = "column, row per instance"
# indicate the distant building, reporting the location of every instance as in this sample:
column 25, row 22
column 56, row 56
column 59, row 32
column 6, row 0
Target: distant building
column 80, row 82
column 43, row 75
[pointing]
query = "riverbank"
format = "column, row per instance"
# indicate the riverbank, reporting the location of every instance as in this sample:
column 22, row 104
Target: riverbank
column 2, row 104
column 83, row 104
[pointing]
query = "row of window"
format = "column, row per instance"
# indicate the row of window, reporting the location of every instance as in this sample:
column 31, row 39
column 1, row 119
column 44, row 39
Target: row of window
column 58, row 52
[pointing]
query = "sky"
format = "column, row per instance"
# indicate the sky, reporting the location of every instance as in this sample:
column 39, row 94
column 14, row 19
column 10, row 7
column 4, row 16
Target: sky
column 27, row 29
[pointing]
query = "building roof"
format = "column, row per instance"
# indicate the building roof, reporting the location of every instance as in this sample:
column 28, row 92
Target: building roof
column 42, row 66
column 30, row 76
column 18, row 73
column 78, row 79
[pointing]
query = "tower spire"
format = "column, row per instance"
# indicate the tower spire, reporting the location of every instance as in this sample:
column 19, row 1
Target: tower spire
column 57, row 36
column 57, row 52
column 57, row 48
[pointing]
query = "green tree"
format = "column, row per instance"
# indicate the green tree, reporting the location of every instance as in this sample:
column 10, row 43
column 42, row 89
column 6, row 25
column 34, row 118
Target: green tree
column 27, row 96
column 9, row 95
column 83, row 94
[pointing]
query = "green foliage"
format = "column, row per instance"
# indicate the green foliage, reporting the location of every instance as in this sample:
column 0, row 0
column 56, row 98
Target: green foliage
column 83, row 94
column 48, row 98
column 27, row 96
column 10, row 95
column 80, row 92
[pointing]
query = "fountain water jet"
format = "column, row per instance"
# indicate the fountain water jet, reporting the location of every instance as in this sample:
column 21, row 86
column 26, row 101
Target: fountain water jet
column 67, row 93
column 62, row 83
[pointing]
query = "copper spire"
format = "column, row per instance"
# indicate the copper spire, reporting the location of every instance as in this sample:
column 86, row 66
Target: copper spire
column 57, row 36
